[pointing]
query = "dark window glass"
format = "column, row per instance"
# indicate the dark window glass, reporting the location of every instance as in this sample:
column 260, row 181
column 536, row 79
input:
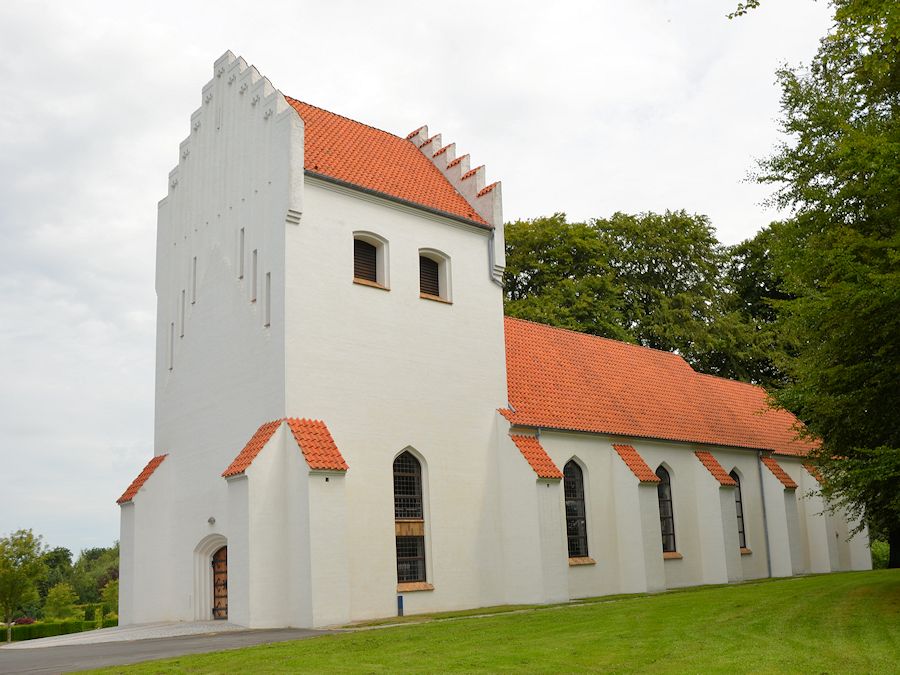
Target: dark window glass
column 666, row 515
column 410, row 559
column 739, row 507
column 429, row 281
column 407, row 487
column 364, row 261
column 576, row 518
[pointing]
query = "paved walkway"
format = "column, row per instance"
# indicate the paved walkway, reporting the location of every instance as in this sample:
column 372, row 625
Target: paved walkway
column 133, row 644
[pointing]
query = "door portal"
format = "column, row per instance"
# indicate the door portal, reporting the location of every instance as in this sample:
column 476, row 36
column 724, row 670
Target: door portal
column 220, row 583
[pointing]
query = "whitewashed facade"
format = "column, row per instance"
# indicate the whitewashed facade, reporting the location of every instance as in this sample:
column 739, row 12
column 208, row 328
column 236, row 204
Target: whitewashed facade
column 259, row 319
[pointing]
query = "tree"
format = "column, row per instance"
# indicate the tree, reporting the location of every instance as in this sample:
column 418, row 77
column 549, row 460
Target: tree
column 667, row 267
column 93, row 569
column 21, row 567
column 558, row 273
column 839, row 257
column 60, row 602
column 59, row 569
column 110, row 596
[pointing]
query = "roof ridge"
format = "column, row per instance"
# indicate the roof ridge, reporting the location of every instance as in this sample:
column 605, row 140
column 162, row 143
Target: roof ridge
column 608, row 339
column 349, row 119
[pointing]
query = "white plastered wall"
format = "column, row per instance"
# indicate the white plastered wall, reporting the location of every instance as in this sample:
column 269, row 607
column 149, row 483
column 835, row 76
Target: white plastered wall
column 378, row 367
column 240, row 167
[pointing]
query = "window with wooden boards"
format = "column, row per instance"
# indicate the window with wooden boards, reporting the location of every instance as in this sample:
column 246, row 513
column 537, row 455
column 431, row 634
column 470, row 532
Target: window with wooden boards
column 365, row 261
column 429, row 277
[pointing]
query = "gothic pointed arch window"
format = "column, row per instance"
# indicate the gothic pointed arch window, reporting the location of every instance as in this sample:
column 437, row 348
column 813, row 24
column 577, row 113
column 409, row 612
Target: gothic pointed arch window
column 576, row 513
column 409, row 519
column 666, row 512
column 739, row 509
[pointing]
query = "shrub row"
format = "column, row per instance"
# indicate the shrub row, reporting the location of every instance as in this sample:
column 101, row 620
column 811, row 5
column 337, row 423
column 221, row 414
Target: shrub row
column 50, row 629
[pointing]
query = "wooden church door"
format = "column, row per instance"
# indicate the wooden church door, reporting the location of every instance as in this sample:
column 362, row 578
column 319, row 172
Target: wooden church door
column 220, row 583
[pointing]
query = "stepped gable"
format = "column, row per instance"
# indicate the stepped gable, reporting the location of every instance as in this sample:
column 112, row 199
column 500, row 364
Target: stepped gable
column 561, row 379
column 351, row 152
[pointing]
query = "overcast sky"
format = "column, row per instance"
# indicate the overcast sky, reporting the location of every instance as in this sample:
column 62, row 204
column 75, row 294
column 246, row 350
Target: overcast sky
column 582, row 107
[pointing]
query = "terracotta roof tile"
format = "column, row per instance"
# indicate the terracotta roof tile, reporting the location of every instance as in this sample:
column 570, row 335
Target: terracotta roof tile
column 537, row 457
column 373, row 159
column 456, row 161
column 312, row 437
column 471, row 172
column 636, row 463
column 716, row 469
column 779, row 473
column 142, row 477
column 246, row 456
column 487, row 189
column 561, row 379
column 317, row 445
column 814, row 472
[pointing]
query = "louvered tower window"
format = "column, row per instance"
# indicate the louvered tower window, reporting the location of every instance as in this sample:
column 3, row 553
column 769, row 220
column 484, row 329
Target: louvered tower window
column 365, row 261
column 429, row 277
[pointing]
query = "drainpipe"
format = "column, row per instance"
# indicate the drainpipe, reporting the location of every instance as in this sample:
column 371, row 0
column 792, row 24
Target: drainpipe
column 762, row 494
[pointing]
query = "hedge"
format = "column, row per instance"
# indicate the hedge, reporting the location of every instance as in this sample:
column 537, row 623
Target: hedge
column 50, row 629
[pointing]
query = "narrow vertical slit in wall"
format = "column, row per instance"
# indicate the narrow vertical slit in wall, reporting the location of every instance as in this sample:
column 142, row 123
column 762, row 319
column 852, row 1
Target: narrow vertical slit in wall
column 171, row 344
column 183, row 303
column 241, row 254
column 194, row 281
column 268, row 307
column 253, row 274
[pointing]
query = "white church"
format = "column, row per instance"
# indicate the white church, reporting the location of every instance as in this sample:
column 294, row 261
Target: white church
column 347, row 427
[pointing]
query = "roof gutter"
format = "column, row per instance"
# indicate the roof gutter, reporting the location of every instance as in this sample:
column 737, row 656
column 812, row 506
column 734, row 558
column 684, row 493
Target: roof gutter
column 398, row 200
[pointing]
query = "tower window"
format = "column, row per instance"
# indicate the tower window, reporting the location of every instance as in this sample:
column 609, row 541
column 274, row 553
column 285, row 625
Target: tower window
column 370, row 260
column 434, row 275
column 429, row 280
column 409, row 517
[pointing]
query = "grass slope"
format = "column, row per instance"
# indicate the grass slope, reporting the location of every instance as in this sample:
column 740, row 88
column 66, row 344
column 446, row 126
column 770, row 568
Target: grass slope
column 823, row 624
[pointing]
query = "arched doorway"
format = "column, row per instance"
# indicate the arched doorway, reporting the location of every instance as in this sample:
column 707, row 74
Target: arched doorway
column 202, row 601
column 220, row 583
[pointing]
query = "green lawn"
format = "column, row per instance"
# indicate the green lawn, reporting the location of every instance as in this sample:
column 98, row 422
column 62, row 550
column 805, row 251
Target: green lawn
column 822, row 624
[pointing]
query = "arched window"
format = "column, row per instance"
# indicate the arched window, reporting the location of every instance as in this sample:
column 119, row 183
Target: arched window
column 739, row 508
column 409, row 517
column 576, row 515
column 370, row 259
column 666, row 514
column 434, row 275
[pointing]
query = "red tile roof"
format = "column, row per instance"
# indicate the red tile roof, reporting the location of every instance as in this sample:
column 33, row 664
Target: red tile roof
column 373, row 159
column 312, row 437
column 142, row 477
column 779, row 473
column 813, row 471
column 636, row 463
column 561, row 379
column 716, row 469
column 317, row 445
column 246, row 456
column 537, row 457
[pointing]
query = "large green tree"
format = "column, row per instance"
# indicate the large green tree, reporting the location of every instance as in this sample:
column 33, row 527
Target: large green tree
column 21, row 567
column 839, row 256
column 654, row 279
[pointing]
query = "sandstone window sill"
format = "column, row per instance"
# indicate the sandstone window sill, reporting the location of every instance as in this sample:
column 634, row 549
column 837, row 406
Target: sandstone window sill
column 672, row 555
column 414, row 586
column 434, row 298
column 746, row 551
column 370, row 284
column 575, row 562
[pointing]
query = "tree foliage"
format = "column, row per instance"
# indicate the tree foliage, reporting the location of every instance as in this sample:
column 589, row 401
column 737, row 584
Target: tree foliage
column 94, row 568
column 21, row 567
column 60, row 602
column 839, row 259
column 658, row 280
